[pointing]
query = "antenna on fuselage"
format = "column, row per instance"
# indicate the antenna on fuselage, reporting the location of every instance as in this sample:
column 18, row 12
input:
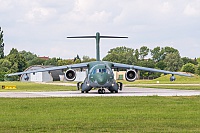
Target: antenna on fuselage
column 97, row 37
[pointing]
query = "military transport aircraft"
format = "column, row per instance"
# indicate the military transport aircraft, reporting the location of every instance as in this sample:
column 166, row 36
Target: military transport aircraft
column 100, row 73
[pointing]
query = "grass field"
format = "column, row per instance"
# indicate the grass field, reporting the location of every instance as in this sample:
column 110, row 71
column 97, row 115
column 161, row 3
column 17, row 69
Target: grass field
column 165, row 80
column 30, row 86
column 100, row 114
column 183, row 83
column 167, row 86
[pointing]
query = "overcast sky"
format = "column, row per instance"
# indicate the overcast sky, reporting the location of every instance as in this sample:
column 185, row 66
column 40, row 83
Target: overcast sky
column 41, row 26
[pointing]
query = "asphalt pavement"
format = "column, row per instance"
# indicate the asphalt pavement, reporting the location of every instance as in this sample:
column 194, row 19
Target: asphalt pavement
column 93, row 93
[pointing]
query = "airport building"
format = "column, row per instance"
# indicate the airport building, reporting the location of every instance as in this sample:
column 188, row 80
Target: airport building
column 56, row 75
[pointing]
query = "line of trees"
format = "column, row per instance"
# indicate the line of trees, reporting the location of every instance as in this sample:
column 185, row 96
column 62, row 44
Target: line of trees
column 165, row 58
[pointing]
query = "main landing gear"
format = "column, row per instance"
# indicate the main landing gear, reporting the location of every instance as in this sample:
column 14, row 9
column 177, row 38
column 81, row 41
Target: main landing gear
column 101, row 91
column 79, row 85
column 120, row 85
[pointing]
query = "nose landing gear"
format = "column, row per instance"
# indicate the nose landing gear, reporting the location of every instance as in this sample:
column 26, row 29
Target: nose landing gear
column 101, row 91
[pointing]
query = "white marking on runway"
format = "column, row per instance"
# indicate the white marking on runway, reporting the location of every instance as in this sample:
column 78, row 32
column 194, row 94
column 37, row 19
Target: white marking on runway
column 94, row 93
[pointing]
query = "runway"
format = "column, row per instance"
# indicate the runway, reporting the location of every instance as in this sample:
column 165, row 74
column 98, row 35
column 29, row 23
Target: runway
column 93, row 93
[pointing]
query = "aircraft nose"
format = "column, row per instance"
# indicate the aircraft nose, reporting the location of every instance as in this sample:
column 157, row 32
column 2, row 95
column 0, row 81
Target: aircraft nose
column 101, row 81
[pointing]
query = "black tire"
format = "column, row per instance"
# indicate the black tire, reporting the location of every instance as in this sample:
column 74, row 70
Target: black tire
column 103, row 91
column 82, row 91
column 116, row 91
column 99, row 91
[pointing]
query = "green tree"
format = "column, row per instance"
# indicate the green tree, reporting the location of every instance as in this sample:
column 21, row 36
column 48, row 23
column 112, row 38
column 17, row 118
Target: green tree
column 137, row 54
column 29, row 57
column 144, row 51
column 168, row 50
column 189, row 67
column 62, row 62
column 5, row 65
column 198, row 60
column 36, row 61
column 87, row 59
column 18, row 62
column 188, row 60
column 173, row 61
column 197, row 70
column 161, row 65
column 121, row 55
column 157, row 54
column 1, row 45
column 52, row 61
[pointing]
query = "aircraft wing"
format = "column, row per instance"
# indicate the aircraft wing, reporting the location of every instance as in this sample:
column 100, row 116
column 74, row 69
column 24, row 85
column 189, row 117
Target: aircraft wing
column 73, row 66
column 125, row 66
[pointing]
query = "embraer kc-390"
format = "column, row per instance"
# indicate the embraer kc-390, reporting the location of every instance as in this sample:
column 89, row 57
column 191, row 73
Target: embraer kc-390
column 100, row 73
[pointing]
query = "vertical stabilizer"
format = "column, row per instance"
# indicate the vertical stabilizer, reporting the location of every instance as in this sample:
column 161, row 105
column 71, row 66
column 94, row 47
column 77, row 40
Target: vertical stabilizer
column 97, row 46
column 97, row 37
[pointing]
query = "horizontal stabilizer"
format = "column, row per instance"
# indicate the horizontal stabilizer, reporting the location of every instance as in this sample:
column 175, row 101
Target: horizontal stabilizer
column 113, row 37
column 82, row 37
column 95, row 37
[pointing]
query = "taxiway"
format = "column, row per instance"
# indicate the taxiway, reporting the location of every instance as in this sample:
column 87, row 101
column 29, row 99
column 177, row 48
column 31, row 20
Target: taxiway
column 93, row 93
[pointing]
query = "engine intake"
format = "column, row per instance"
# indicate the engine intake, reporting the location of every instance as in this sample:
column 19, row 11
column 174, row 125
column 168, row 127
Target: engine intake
column 70, row 75
column 131, row 75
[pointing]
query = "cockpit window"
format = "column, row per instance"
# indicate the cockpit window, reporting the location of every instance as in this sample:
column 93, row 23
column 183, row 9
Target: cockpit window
column 103, row 70
column 94, row 71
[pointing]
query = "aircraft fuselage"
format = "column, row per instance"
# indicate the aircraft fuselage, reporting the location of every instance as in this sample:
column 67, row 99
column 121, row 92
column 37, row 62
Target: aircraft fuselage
column 100, row 75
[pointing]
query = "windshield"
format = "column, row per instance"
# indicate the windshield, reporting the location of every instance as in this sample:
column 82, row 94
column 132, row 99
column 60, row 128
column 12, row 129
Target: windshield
column 101, row 70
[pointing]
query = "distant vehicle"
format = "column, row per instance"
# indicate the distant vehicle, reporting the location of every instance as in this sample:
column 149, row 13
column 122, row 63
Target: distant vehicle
column 100, row 74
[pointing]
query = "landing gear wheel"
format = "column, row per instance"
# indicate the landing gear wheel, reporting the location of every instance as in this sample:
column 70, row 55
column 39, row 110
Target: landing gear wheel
column 100, row 91
column 103, row 91
column 116, row 91
column 82, row 91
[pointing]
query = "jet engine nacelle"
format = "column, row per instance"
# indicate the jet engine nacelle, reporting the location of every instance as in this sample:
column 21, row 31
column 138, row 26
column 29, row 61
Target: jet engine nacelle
column 70, row 75
column 172, row 78
column 131, row 75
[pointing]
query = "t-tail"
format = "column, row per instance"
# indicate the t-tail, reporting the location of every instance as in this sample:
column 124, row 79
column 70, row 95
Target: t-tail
column 97, row 37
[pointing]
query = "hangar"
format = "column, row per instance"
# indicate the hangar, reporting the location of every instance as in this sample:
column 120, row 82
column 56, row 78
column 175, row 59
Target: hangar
column 41, row 76
column 56, row 75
